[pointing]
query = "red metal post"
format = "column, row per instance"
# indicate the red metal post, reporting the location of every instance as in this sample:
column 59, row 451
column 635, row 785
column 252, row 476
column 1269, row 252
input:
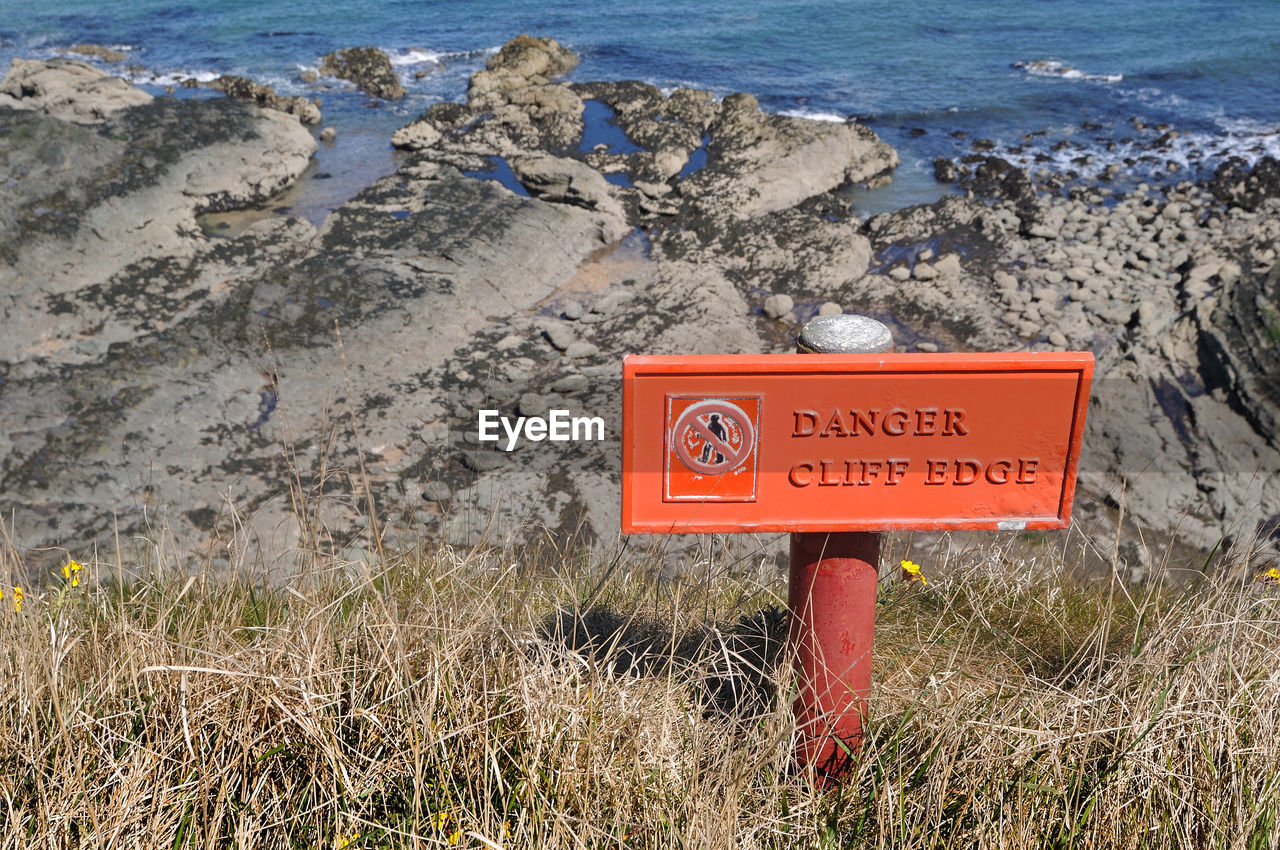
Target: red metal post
column 832, row 598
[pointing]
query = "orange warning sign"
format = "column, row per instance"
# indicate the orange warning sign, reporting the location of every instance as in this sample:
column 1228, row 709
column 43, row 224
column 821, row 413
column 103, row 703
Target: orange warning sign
column 851, row 442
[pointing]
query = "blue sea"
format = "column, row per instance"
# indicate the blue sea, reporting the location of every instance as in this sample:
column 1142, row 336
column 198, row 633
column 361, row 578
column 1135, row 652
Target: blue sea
column 929, row 76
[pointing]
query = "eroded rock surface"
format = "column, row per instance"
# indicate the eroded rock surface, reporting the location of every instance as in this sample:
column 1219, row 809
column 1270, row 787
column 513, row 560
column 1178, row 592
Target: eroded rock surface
column 279, row 388
column 211, row 378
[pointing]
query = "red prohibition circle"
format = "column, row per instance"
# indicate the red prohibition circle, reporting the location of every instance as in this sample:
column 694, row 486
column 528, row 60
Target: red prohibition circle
column 691, row 419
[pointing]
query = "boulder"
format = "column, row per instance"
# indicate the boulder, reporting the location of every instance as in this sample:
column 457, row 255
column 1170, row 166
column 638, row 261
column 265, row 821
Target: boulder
column 528, row 56
column 566, row 181
column 525, row 62
column 760, row 163
column 1235, row 183
column 67, row 89
column 242, row 88
column 367, row 67
column 416, row 136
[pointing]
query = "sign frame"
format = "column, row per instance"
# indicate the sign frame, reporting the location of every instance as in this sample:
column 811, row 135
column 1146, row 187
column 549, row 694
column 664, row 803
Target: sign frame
column 736, row 367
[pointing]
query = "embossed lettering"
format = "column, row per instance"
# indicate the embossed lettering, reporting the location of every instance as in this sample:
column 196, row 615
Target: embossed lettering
column 899, row 426
column 801, row 475
column 835, row 426
column 954, row 423
column 967, row 471
column 865, row 421
column 998, row 472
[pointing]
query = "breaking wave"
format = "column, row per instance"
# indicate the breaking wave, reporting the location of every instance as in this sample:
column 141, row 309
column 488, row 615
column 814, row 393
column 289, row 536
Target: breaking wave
column 1061, row 70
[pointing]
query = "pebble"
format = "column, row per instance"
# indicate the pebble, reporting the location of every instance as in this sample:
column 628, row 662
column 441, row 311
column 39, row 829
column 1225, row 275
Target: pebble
column 509, row 342
column 532, row 404
column 1079, row 274
column 560, row 337
column 1204, row 270
column 573, row 310
column 436, row 491
column 328, row 134
column 611, row 302
column 899, row 273
column 570, row 383
column 948, row 266
column 483, row 461
column 1058, row 339
column 357, row 554
column 830, row 308
column 924, row 271
column 929, row 347
column 1004, row 280
column 581, row 349
column 779, row 305
column 1147, row 312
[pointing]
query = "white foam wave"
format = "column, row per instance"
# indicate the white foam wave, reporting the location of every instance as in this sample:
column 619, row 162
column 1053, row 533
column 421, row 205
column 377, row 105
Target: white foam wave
column 829, row 117
column 668, row 89
column 172, row 78
column 1154, row 98
column 1054, row 68
column 414, row 56
column 1247, row 126
column 1191, row 151
column 287, row 85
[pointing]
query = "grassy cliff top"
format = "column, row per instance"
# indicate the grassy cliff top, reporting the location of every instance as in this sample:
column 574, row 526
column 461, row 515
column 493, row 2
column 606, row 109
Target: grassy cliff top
column 499, row 698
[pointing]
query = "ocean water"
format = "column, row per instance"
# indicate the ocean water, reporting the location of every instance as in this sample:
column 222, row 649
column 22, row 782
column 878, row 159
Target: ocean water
column 930, row 76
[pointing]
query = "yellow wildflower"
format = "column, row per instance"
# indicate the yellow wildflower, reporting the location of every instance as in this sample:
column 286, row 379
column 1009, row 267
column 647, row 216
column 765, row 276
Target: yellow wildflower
column 440, row 820
column 17, row 599
column 1271, row 576
column 912, row 571
column 345, row 841
column 71, row 572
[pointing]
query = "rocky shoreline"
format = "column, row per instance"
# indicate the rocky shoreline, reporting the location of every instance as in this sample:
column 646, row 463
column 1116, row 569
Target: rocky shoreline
column 157, row 384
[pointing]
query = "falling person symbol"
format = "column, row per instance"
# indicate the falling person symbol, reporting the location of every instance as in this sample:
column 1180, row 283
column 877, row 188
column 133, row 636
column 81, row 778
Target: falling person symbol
column 717, row 429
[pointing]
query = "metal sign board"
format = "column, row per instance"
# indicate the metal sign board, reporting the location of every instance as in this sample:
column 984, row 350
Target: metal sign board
column 851, row 442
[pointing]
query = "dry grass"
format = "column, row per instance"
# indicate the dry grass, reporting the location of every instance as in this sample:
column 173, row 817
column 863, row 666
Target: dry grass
column 549, row 699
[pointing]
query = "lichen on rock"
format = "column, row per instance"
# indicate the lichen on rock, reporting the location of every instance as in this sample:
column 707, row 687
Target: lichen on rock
column 368, row 67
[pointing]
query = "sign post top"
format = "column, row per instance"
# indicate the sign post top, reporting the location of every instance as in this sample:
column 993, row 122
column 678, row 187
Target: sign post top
column 845, row 334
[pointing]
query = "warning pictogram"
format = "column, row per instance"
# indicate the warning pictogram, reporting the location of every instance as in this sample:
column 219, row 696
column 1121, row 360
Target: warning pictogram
column 711, row 449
